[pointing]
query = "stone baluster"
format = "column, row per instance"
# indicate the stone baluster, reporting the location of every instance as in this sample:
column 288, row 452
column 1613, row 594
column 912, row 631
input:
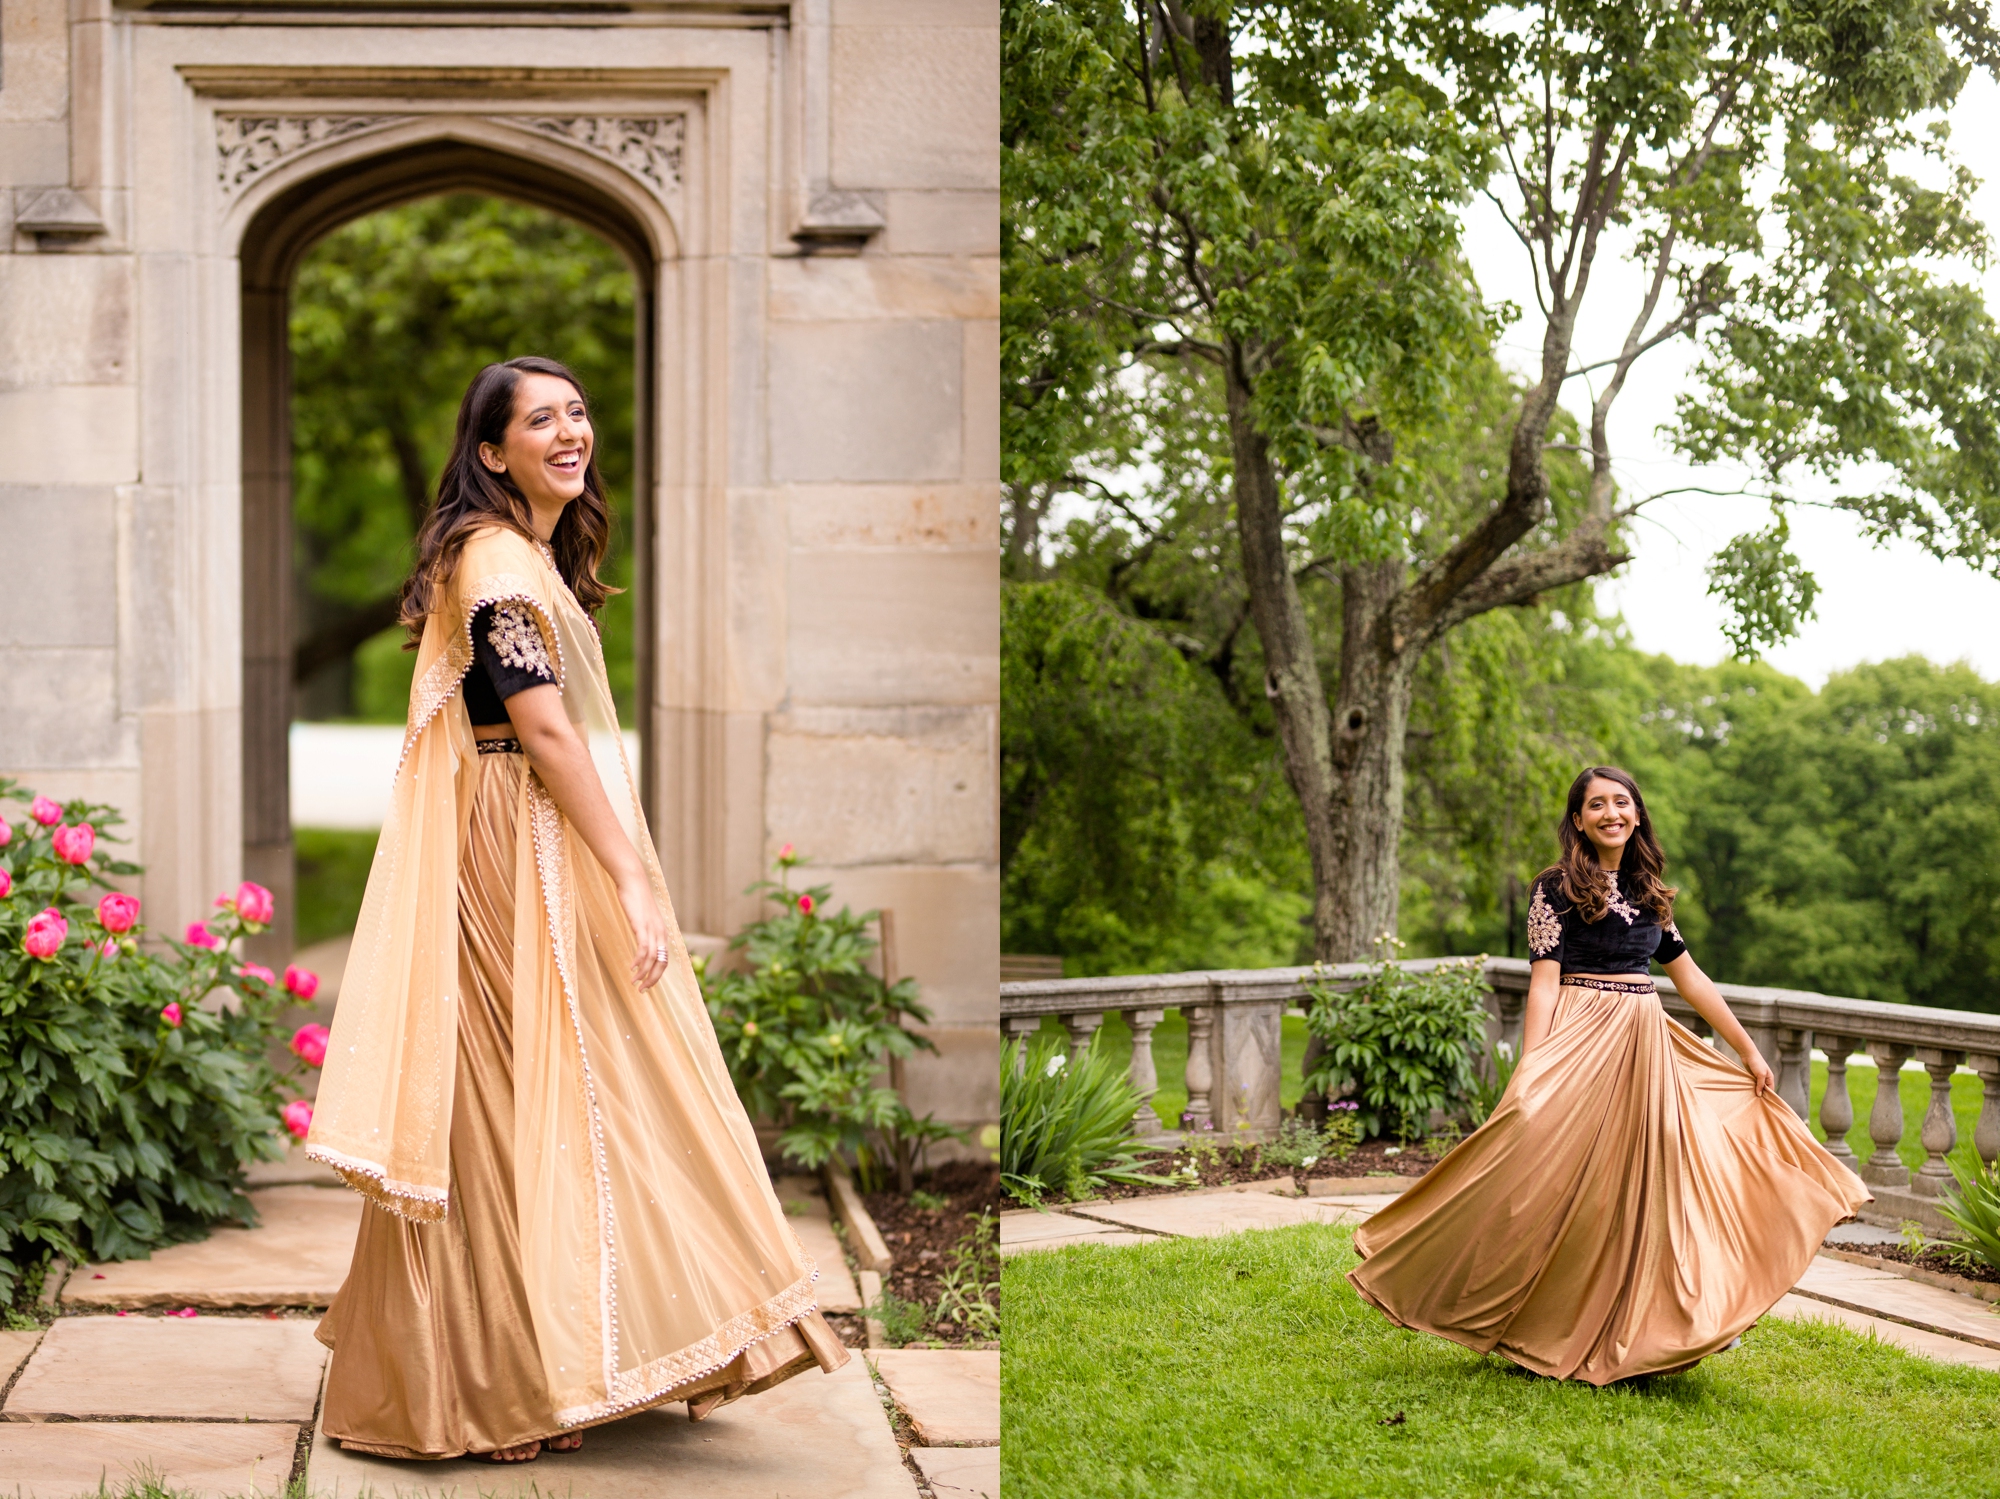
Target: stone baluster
column 1885, row 1121
column 1020, row 1028
column 1940, row 1128
column 1795, row 1070
column 1144, row 1074
column 1513, row 1016
column 1836, row 1109
column 1986, row 1132
column 1200, row 1067
column 1082, row 1026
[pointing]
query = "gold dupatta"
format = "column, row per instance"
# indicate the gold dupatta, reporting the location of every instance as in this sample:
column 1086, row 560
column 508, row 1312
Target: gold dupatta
column 652, row 1246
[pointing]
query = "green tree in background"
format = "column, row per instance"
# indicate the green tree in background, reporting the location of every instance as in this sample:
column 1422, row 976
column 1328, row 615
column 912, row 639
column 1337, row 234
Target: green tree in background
column 392, row 315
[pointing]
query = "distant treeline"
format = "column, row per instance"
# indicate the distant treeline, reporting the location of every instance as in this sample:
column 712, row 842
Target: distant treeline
column 1841, row 841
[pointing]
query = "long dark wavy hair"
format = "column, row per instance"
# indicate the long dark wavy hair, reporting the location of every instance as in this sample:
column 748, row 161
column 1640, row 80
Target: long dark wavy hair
column 470, row 497
column 1582, row 876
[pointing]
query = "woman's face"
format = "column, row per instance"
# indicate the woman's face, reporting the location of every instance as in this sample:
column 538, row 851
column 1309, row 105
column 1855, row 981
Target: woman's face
column 1609, row 816
column 547, row 443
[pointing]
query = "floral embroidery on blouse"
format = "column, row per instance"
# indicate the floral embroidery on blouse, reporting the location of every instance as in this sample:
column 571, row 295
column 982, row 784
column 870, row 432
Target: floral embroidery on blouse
column 1545, row 928
column 1674, row 932
column 518, row 642
column 1622, row 906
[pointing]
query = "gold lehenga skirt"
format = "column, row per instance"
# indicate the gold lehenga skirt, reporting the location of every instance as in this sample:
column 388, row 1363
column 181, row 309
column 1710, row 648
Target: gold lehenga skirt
column 434, row 1348
column 1631, row 1207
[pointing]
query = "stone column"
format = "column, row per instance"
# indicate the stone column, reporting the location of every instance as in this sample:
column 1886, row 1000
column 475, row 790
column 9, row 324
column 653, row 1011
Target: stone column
column 1794, row 1068
column 1836, row 1109
column 1248, row 1057
column 1020, row 1028
column 1513, row 1016
column 1200, row 1067
column 1144, row 1074
column 1986, row 1133
column 1082, row 1026
column 1940, row 1128
column 1885, row 1121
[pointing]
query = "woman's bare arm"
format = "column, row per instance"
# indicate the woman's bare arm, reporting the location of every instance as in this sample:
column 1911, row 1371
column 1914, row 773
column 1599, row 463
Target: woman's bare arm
column 1699, row 990
column 562, row 760
column 1544, row 978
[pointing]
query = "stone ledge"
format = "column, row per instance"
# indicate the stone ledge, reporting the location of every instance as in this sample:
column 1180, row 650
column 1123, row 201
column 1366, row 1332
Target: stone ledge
column 1943, row 1280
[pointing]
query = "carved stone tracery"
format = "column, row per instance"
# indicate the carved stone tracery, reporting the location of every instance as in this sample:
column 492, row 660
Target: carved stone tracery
column 246, row 146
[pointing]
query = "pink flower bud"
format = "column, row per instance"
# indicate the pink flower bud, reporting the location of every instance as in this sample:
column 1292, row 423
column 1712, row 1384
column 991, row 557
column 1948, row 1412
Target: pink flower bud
column 6, row 835
column 309, row 1045
column 254, row 903
column 198, row 935
column 302, row 982
column 785, row 854
column 44, row 811
column 110, row 947
column 117, row 911
column 6, row 879
column 172, row 1014
column 258, row 972
column 45, row 934
column 73, row 845
column 298, row 1117
column 805, row 905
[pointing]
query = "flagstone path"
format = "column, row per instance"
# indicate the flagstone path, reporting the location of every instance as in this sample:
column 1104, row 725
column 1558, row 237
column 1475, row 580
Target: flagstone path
column 222, row 1399
column 1927, row 1320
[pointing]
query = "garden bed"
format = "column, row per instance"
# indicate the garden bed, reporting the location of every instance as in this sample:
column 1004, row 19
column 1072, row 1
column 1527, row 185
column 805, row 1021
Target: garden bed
column 1931, row 1267
column 1205, row 1167
column 927, row 1234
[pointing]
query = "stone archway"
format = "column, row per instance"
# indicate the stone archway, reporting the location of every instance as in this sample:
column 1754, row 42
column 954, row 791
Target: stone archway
column 286, row 223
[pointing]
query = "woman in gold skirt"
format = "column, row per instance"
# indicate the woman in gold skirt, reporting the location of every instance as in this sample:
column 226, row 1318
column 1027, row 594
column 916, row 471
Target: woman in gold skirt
column 568, row 1216
column 1636, row 1201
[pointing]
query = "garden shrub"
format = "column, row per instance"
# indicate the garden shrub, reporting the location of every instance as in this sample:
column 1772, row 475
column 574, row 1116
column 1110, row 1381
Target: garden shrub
column 807, row 1030
column 1400, row 1043
column 134, row 1080
column 1066, row 1122
column 1300, row 1143
column 1974, row 1206
column 1487, row 1090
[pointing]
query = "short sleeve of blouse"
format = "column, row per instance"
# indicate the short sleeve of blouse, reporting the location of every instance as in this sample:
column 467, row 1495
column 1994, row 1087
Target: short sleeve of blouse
column 1671, row 946
column 508, row 643
column 1546, row 909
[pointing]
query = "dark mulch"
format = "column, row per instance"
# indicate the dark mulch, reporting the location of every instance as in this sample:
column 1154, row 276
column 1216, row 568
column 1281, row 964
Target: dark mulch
column 1930, row 1259
column 1229, row 1166
column 850, row 1327
column 921, row 1240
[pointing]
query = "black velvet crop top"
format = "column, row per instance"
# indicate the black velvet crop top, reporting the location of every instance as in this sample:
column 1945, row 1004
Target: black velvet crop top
column 1628, row 940
column 508, row 656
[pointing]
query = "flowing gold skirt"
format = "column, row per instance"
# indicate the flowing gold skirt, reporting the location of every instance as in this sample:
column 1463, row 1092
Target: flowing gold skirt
column 1631, row 1207
column 434, row 1347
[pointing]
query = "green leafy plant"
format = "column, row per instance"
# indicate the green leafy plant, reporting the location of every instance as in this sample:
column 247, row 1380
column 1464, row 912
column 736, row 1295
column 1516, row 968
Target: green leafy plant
column 1301, row 1144
column 902, row 1321
column 929, row 1202
column 1484, row 1095
column 134, row 1079
column 1974, row 1206
column 1401, row 1042
column 807, row 1030
column 1066, row 1123
column 970, row 1298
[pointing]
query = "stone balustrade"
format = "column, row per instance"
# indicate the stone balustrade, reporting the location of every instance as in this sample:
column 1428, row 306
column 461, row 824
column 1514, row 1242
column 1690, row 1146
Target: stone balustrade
column 1235, row 1020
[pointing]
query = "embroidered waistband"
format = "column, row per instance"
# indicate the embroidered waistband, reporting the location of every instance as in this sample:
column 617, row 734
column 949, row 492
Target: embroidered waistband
column 499, row 746
column 1632, row 986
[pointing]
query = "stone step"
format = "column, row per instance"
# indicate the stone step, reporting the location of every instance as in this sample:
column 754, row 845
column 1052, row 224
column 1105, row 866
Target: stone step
column 1893, row 1298
column 960, row 1472
column 171, row 1368
column 198, row 1460
column 806, row 1211
column 1796, row 1308
column 951, row 1395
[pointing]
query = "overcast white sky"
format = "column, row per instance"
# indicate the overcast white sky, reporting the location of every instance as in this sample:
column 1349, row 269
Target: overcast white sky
column 1875, row 603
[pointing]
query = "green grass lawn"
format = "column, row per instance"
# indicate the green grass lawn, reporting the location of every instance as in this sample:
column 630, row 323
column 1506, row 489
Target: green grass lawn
column 1246, row 1367
column 332, row 865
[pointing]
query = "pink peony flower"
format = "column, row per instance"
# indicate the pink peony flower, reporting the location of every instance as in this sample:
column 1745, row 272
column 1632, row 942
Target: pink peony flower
column 805, row 905
column 6, row 879
column 73, row 845
column 172, row 1014
column 45, row 934
column 301, row 981
column 44, row 811
column 309, row 1044
column 198, row 935
column 258, row 972
column 6, row 835
column 254, row 903
column 118, row 911
column 298, row 1117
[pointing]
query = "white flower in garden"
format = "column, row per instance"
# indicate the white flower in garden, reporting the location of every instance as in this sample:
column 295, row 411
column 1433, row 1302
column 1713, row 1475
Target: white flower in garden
column 1056, row 1060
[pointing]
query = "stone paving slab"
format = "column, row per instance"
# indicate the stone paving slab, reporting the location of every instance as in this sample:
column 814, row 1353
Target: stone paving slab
column 200, row 1369
column 297, row 1256
column 960, row 1472
column 293, row 1171
column 1207, row 1217
column 64, row 1459
column 14, row 1350
column 1880, row 1293
column 951, row 1395
column 1025, row 1225
column 1109, row 1237
column 1359, row 1186
column 1794, row 1308
column 806, row 1211
column 816, row 1436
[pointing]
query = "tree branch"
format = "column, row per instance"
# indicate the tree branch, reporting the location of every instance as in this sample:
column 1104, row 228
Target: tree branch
column 342, row 637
